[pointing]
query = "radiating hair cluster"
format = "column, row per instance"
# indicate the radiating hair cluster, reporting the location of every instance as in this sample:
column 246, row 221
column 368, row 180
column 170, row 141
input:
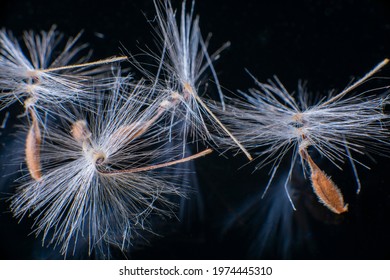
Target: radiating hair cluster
column 278, row 124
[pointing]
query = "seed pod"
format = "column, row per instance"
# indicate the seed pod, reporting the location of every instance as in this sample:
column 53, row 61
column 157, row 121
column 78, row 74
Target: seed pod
column 80, row 131
column 327, row 191
column 33, row 149
column 128, row 133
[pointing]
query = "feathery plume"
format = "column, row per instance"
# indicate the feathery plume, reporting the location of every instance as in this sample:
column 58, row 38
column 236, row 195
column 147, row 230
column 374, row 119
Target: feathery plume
column 45, row 75
column 181, row 71
column 98, row 180
column 275, row 122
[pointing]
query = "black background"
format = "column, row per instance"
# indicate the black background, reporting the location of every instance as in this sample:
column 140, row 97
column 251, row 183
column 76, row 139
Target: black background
column 324, row 42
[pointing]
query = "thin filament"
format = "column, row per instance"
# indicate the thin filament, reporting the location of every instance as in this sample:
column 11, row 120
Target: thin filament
column 103, row 61
column 157, row 166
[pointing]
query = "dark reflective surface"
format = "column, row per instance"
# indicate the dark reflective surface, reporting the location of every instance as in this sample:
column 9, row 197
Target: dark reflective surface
column 324, row 42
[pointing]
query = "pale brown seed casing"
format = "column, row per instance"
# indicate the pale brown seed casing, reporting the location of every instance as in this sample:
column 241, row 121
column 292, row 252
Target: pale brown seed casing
column 327, row 191
column 127, row 133
column 135, row 130
column 80, row 131
column 33, row 149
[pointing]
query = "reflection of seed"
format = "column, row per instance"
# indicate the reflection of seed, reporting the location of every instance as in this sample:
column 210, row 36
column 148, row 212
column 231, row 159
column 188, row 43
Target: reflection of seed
column 327, row 191
column 80, row 131
column 4, row 122
column 33, row 149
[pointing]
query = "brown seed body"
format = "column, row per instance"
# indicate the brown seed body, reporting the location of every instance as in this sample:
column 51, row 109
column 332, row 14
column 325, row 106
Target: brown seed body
column 327, row 191
column 33, row 149
column 80, row 131
column 129, row 132
column 134, row 130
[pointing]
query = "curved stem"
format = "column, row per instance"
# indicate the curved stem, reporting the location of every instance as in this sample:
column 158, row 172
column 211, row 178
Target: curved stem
column 156, row 166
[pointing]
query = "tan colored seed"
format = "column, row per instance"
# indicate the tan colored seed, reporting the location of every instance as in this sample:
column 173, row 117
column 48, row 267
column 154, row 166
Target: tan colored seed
column 127, row 133
column 327, row 191
column 80, row 131
column 33, row 149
